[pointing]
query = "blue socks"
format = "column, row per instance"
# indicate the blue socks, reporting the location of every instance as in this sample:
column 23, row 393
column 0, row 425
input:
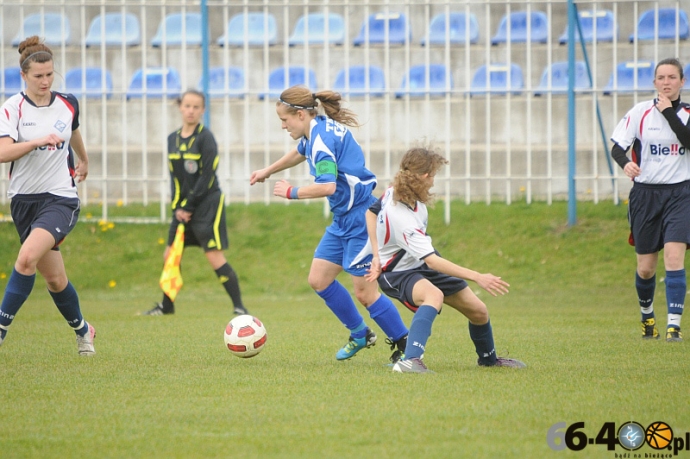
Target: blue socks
column 384, row 313
column 67, row 303
column 483, row 339
column 676, row 288
column 420, row 331
column 645, row 295
column 17, row 291
column 339, row 301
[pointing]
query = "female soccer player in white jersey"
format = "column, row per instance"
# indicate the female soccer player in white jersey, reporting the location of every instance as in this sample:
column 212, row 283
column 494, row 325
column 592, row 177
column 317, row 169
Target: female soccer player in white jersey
column 37, row 129
column 659, row 201
column 337, row 163
column 409, row 269
column 197, row 200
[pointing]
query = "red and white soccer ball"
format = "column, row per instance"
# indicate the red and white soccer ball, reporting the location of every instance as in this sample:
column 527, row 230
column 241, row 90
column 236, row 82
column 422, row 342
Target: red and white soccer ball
column 245, row 336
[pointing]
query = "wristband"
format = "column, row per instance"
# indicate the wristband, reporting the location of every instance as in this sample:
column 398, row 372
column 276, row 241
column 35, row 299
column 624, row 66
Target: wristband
column 287, row 193
column 292, row 192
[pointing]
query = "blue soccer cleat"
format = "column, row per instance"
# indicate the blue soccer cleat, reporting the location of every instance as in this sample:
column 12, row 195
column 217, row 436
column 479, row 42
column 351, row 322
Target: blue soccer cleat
column 354, row 345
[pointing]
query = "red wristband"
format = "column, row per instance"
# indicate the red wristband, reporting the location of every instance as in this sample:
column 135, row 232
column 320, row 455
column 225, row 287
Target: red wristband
column 287, row 195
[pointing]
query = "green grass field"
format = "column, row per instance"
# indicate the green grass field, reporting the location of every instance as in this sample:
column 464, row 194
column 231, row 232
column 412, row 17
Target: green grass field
column 167, row 387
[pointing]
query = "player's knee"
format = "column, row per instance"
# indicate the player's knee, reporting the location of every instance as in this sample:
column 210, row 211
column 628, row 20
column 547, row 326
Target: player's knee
column 478, row 315
column 317, row 283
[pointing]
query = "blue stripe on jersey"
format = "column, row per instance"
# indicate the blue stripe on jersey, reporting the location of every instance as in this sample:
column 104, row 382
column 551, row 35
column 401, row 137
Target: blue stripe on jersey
column 332, row 141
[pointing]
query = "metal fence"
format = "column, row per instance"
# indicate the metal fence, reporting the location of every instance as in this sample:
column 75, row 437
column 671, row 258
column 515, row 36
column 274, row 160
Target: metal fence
column 481, row 80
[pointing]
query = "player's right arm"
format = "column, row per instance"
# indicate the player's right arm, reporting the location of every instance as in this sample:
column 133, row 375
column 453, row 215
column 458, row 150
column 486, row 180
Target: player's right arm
column 374, row 270
column 290, row 159
column 492, row 284
column 12, row 151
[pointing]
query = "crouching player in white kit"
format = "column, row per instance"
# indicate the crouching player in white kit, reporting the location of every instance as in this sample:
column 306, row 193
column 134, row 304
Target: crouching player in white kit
column 37, row 129
column 409, row 269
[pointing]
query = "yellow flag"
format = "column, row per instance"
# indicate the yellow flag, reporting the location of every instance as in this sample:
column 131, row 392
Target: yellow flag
column 171, row 278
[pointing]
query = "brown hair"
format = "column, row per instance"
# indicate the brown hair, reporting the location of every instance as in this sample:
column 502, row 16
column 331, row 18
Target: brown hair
column 301, row 98
column 670, row 61
column 408, row 185
column 193, row 92
column 33, row 50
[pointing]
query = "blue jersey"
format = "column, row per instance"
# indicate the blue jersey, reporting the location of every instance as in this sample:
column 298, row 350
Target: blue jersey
column 334, row 156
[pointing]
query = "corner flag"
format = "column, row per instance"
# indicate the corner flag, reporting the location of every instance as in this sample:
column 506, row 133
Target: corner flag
column 171, row 278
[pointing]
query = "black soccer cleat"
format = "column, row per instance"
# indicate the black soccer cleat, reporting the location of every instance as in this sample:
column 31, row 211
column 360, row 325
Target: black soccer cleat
column 158, row 310
column 399, row 353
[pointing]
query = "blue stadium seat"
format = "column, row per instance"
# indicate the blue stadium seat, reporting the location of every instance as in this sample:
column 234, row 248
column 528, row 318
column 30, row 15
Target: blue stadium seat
column 316, row 25
column 415, row 83
column 54, row 27
column 497, row 75
column 397, row 25
column 667, row 25
column 357, row 76
column 114, row 33
column 686, row 74
column 155, row 76
column 93, row 80
column 261, row 28
column 13, row 81
column 605, row 27
column 173, row 30
column 217, row 77
column 295, row 75
column 559, row 78
column 456, row 22
column 626, row 71
column 539, row 28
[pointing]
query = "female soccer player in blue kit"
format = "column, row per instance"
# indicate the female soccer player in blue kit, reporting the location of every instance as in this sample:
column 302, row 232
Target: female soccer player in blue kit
column 659, row 201
column 409, row 269
column 337, row 163
column 37, row 129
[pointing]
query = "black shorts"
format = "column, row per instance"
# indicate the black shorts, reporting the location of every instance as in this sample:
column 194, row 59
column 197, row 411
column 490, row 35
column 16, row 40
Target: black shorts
column 659, row 214
column 399, row 284
column 55, row 214
column 207, row 228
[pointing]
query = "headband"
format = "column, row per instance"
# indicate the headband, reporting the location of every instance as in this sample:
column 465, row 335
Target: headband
column 298, row 107
column 33, row 54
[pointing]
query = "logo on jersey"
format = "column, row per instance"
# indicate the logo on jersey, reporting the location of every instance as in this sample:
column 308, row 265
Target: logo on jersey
column 191, row 166
column 60, row 125
column 29, row 123
column 671, row 150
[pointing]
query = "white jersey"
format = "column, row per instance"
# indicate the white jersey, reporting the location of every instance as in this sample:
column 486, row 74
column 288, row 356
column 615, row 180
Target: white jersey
column 655, row 147
column 401, row 234
column 45, row 169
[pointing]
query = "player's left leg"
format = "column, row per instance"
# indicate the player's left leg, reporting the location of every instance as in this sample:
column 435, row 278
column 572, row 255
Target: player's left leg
column 481, row 332
column 227, row 277
column 676, row 288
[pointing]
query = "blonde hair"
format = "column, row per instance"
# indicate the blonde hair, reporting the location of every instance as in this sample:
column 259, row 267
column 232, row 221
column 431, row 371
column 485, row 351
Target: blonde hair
column 33, row 50
column 300, row 98
column 409, row 185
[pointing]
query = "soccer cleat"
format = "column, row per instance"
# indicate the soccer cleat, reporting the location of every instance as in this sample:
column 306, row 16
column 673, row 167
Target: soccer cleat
column 399, row 353
column 2, row 336
column 85, row 343
column 649, row 330
column 240, row 310
column 673, row 334
column 505, row 362
column 354, row 345
column 413, row 365
column 158, row 311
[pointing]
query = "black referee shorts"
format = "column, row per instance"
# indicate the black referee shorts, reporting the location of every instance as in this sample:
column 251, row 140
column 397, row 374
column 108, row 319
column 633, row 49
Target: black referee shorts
column 659, row 214
column 207, row 228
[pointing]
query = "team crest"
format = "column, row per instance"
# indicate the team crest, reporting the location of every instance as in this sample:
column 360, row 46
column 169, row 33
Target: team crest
column 60, row 125
column 191, row 166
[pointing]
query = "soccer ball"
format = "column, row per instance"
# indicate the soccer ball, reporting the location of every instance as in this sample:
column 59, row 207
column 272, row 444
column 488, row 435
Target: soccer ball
column 245, row 336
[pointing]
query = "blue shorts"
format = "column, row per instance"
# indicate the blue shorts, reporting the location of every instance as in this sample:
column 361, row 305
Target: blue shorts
column 55, row 214
column 399, row 284
column 659, row 214
column 346, row 242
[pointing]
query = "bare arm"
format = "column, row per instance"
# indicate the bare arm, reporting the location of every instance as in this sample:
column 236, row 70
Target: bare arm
column 77, row 144
column 375, row 269
column 489, row 282
column 12, row 151
column 315, row 190
column 290, row 159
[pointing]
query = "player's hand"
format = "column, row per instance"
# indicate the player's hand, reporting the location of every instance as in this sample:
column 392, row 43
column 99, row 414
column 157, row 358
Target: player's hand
column 258, row 176
column 183, row 216
column 374, row 270
column 281, row 188
column 81, row 172
column 493, row 284
column 50, row 140
column 632, row 170
column 663, row 102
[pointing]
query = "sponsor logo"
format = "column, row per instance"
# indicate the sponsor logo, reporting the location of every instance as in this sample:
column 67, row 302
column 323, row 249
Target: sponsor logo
column 28, row 123
column 667, row 150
